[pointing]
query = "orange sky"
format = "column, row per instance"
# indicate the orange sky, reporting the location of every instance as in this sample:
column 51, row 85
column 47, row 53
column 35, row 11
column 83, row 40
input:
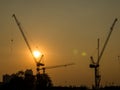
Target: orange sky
column 63, row 30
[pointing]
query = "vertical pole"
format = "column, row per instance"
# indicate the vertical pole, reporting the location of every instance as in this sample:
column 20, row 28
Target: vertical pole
column 98, row 47
column 97, row 76
column 97, row 70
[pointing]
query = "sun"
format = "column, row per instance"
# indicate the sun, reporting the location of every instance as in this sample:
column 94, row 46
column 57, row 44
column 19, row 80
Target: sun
column 37, row 54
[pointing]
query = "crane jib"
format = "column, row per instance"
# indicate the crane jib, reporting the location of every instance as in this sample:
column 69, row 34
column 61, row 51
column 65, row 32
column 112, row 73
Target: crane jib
column 24, row 36
column 111, row 29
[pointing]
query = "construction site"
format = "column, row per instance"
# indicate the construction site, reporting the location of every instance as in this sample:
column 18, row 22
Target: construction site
column 42, row 81
column 56, row 49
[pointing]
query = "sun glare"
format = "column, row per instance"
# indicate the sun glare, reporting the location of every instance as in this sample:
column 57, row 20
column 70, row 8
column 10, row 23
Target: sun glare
column 37, row 54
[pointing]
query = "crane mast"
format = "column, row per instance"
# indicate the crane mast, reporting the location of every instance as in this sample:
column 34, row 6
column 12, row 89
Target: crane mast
column 38, row 64
column 95, row 65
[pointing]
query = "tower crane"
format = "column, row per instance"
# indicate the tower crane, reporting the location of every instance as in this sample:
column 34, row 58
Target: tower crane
column 38, row 62
column 96, row 65
column 56, row 66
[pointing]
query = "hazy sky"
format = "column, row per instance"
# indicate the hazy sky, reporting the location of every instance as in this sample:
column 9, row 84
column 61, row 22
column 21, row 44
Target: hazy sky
column 64, row 31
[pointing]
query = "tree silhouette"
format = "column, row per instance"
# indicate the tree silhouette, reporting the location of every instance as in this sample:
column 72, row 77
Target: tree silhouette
column 29, row 80
column 26, row 81
column 43, row 81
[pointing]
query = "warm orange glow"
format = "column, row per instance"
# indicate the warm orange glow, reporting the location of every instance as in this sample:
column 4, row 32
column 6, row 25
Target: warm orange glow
column 84, row 53
column 37, row 54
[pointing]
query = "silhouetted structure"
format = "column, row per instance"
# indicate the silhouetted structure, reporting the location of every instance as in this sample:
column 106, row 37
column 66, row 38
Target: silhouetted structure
column 43, row 81
column 95, row 65
column 25, row 81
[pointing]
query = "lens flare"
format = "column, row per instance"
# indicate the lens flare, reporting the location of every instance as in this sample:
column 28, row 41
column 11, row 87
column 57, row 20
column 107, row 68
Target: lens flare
column 84, row 53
